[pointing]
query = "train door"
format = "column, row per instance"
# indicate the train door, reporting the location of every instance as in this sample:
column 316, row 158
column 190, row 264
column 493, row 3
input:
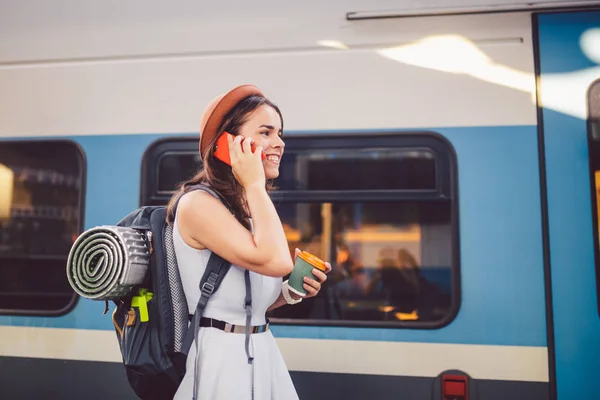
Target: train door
column 568, row 58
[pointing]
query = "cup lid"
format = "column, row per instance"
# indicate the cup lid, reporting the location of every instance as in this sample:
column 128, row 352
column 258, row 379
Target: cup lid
column 313, row 260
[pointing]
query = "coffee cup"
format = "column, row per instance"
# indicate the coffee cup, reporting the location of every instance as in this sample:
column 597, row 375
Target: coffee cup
column 305, row 263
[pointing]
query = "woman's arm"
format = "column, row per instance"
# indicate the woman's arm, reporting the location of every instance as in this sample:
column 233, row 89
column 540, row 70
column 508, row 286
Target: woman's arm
column 268, row 229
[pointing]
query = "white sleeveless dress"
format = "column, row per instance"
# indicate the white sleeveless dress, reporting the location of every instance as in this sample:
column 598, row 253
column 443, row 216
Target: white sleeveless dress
column 223, row 369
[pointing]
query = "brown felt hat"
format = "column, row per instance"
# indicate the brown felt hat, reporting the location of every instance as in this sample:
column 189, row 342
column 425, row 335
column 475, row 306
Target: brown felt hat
column 218, row 108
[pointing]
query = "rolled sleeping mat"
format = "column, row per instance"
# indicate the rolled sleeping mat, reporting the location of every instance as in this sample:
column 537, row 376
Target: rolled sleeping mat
column 107, row 262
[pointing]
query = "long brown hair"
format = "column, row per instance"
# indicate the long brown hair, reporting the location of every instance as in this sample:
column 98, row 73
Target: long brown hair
column 216, row 173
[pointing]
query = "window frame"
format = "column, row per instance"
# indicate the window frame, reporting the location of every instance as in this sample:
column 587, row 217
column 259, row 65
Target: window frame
column 446, row 190
column 594, row 144
column 80, row 153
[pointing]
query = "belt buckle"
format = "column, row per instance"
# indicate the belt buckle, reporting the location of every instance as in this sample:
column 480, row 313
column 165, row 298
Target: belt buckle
column 230, row 328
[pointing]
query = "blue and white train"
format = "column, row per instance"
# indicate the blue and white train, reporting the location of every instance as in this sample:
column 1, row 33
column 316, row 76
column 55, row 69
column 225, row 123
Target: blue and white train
column 447, row 165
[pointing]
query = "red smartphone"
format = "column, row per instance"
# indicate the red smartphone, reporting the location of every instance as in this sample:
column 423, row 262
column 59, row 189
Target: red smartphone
column 222, row 149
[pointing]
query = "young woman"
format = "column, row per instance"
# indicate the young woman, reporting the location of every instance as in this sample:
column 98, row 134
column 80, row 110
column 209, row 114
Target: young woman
column 247, row 233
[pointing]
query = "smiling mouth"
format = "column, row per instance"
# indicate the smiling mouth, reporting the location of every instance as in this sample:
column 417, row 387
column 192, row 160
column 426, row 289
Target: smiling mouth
column 274, row 159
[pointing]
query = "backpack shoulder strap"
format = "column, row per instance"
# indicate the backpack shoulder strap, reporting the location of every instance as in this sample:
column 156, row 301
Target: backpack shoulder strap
column 216, row 269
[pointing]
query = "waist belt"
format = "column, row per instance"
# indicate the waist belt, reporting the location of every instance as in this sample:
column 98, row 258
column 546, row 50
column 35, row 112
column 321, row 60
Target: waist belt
column 230, row 328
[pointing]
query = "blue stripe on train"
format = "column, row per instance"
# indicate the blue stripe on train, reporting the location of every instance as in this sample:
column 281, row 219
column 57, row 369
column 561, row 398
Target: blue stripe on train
column 500, row 225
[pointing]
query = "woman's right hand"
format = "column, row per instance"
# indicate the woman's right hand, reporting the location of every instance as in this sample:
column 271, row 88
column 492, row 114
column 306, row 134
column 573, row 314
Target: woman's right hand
column 247, row 167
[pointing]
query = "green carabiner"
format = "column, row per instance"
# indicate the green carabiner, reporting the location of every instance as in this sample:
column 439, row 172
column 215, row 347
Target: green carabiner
column 141, row 302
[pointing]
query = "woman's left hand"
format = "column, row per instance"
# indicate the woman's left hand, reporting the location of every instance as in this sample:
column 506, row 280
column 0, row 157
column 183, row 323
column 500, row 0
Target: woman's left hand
column 312, row 285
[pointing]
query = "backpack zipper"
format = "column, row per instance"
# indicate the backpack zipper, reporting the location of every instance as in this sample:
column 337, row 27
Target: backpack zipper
column 149, row 237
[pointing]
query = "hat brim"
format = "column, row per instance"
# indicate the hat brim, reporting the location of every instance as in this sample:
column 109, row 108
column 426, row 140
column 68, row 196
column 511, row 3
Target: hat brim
column 221, row 109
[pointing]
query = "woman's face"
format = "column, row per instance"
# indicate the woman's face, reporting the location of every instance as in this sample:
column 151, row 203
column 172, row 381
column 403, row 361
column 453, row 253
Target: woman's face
column 263, row 125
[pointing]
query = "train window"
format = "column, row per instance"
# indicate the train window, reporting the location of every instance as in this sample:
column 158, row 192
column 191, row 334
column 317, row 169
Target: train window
column 594, row 157
column 41, row 211
column 381, row 207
